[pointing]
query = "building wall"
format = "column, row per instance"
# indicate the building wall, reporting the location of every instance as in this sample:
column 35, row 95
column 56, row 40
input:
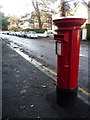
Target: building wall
column 89, row 15
column 88, row 25
column 82, row 12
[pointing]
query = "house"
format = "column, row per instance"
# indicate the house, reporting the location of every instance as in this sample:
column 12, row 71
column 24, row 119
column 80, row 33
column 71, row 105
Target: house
column 79, row 11
column 31, row 21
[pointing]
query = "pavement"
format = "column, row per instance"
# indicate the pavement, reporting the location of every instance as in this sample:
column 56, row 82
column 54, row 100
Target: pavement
column 29, row 93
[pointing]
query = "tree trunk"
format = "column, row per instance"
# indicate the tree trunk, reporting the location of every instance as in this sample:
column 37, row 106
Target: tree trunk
column 35, row 5
column 39, row 19
column 63, row 12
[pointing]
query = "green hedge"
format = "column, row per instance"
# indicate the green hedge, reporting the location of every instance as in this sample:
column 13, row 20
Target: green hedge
column 36, row 30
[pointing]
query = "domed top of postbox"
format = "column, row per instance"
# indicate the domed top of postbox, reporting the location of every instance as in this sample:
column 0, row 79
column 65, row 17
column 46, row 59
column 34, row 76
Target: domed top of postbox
column 69, row 22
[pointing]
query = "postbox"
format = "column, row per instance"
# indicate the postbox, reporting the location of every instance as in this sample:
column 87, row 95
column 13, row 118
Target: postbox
column 67, row 50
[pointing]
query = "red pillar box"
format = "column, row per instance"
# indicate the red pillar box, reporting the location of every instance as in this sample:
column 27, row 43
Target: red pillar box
column 67, row 50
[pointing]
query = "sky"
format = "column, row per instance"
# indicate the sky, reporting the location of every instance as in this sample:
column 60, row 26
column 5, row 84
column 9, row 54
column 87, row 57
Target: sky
column 16, row 7
column 19, row 7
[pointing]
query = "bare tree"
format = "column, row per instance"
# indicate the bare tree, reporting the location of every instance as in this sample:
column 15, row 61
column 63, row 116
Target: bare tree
column 40, row 5
column 36, row 7
column 14, row 20
column 85, row 3
column 65, row 6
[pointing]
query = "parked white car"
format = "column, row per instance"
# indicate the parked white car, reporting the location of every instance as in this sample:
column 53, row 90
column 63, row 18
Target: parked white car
column 12, row 33
column 17, row 33
column 32, row 34
column 51, row 32
column 43, row 35
column 24, row 34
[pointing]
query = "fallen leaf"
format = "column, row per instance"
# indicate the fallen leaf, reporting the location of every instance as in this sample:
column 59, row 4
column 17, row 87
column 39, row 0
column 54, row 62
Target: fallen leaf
column 32, row 105
column 21, row 107
column 38, row 117
column 23, row 91
column 17, row 75
column 35, row 71
column 25, row 87
column 43, row 86
column 24, row 81
column 54, row 83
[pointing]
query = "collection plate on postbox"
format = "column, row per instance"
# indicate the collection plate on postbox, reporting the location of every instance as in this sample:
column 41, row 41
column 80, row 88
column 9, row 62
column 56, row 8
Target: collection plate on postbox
column 59, row 48
column 59, row 39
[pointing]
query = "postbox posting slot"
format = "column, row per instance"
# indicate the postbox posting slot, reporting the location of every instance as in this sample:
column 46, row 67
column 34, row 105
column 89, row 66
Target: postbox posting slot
column 64, row 36
column 58, row 37
column 59, row 48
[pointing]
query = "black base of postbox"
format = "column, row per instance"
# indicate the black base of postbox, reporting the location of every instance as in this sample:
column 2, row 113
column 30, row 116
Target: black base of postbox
column 66, row 97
